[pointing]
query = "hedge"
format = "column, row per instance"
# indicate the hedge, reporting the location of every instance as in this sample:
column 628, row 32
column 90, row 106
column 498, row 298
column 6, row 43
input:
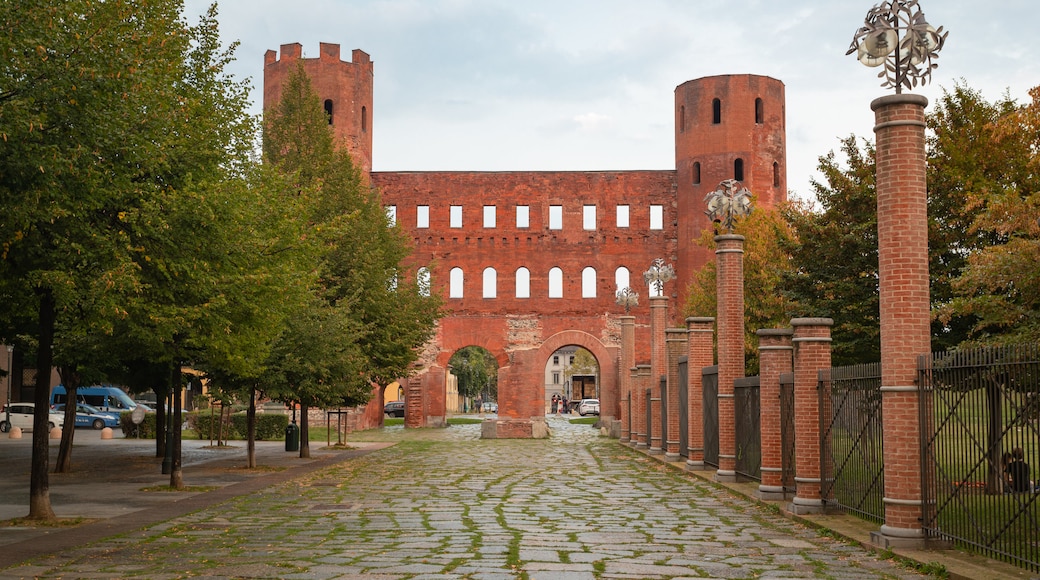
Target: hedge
column 269, row 426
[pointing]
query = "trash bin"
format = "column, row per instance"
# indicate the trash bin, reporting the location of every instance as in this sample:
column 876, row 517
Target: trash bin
column 292, row 437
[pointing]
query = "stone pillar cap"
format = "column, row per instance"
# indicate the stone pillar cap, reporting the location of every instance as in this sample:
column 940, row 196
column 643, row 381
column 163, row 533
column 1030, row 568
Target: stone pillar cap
column 900, row 99
column 812, row 322
column 780, row 331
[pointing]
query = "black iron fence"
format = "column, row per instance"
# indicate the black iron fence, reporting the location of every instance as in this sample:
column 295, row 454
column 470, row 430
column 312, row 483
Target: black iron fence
column 787, row 431
column 710, row 388
column 747, row 415
column 981, row 431
column 852, row 465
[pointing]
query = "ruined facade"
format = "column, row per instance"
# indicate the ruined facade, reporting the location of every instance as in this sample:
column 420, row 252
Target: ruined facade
column 530, row 262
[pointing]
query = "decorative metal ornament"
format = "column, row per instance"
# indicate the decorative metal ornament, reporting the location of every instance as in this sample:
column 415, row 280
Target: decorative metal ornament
column 728, row 202
column 658, row 274
column 627, row 299
column 896, row 35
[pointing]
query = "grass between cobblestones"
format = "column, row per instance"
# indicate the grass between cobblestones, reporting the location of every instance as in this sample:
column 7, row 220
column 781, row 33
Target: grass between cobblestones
column 444, row 503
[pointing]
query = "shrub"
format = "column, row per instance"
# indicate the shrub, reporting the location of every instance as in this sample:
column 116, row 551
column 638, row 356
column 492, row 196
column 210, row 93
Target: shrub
column 269, row 426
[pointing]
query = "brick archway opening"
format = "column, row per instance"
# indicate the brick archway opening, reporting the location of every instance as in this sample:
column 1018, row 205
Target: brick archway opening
column 468, row 389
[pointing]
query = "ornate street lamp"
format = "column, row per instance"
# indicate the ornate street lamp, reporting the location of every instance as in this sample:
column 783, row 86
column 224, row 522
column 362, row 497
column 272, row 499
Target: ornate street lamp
column 658, row 274
column 627, row 299
column 728, row 202
column 895, row 34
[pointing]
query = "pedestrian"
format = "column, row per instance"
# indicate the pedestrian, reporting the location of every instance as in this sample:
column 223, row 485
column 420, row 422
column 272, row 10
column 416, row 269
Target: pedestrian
column 555, row 403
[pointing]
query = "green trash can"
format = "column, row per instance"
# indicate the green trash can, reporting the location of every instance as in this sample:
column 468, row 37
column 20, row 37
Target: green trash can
column 292, row 437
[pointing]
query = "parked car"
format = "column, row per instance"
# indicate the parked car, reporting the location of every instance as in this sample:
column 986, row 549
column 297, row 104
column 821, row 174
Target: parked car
column 588, row 407
column 490, row 407
column 22, row 417
column 90, row 416
column 394, row 409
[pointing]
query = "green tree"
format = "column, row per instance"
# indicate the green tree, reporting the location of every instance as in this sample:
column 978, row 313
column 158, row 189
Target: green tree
column 477, row 371
column 385, row 317
column 87, row 109
column 972, row 162
column 834, row 254
column 999, row 286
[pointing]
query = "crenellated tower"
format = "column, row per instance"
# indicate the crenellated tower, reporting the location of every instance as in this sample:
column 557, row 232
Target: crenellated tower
column 345, row 90
column 726, row 127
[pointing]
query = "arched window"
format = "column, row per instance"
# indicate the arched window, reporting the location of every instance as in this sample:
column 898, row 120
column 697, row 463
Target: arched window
column 759, row 111
column 588, row 282
column 364, row 119
column 738, row 169
column 490, row 283
column 776, row 174
column 523, row 283
column 682, row 118
column 716, row 111
column 696, row 172
column 622, row 278
column 391, row 282
column 455, row 283
column 556, row 283
column 328, row 110
column 423, row 279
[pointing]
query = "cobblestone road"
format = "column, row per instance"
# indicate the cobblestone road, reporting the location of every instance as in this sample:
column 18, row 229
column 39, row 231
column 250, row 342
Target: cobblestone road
column 445, row 504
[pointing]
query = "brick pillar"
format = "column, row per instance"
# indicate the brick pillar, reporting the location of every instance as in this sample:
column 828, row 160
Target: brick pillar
column 675, row 347
column 640, row 383
column 729, row 264
column 812, row 353
column 902, row 218
column 658, row 321
column 628, row 357
column 702, row 354
column 414, row 415
column 774, row 355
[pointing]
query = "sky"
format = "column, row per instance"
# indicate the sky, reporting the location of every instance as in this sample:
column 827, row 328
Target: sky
column 569, row 85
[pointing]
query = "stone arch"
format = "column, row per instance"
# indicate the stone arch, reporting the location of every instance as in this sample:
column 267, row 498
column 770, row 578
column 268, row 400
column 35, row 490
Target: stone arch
column 606, row 356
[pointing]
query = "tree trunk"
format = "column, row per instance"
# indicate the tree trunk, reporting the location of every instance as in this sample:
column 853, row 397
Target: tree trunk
column 39, row 480
column 71, row 381
column 176, row 472
column 160, row 424
column 305, row 445
column 251, row 428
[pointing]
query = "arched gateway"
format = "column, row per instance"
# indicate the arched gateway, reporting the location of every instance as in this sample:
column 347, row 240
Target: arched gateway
column 530, row 261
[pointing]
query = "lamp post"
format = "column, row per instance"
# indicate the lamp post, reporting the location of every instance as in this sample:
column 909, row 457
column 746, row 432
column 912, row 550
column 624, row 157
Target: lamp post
column 627, row 299
column 896, row 34
column 658, row 274
column 10, row 379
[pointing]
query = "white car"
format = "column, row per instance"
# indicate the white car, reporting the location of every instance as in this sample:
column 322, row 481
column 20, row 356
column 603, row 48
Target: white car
column 588, row 407
column 22, row 417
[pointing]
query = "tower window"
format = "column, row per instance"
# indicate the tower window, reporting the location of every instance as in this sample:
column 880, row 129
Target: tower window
column 696, row 172
column 738, row 169
column 716, row 111
column 364, row 119
column 682, row 118
column 759, row 112
column 328, row 110
column 776, row 174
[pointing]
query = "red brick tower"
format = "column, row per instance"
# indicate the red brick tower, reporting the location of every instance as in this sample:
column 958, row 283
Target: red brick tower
column 726, row 127
column 345, row 90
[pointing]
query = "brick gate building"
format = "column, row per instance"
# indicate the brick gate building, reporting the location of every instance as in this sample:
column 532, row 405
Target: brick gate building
column 529, row 261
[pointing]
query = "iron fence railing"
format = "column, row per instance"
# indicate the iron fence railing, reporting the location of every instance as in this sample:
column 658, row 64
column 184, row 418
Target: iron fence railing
column 852, row 466
column 748, row 415
column 710, row 387
column 981, row 446
column 787, row 432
